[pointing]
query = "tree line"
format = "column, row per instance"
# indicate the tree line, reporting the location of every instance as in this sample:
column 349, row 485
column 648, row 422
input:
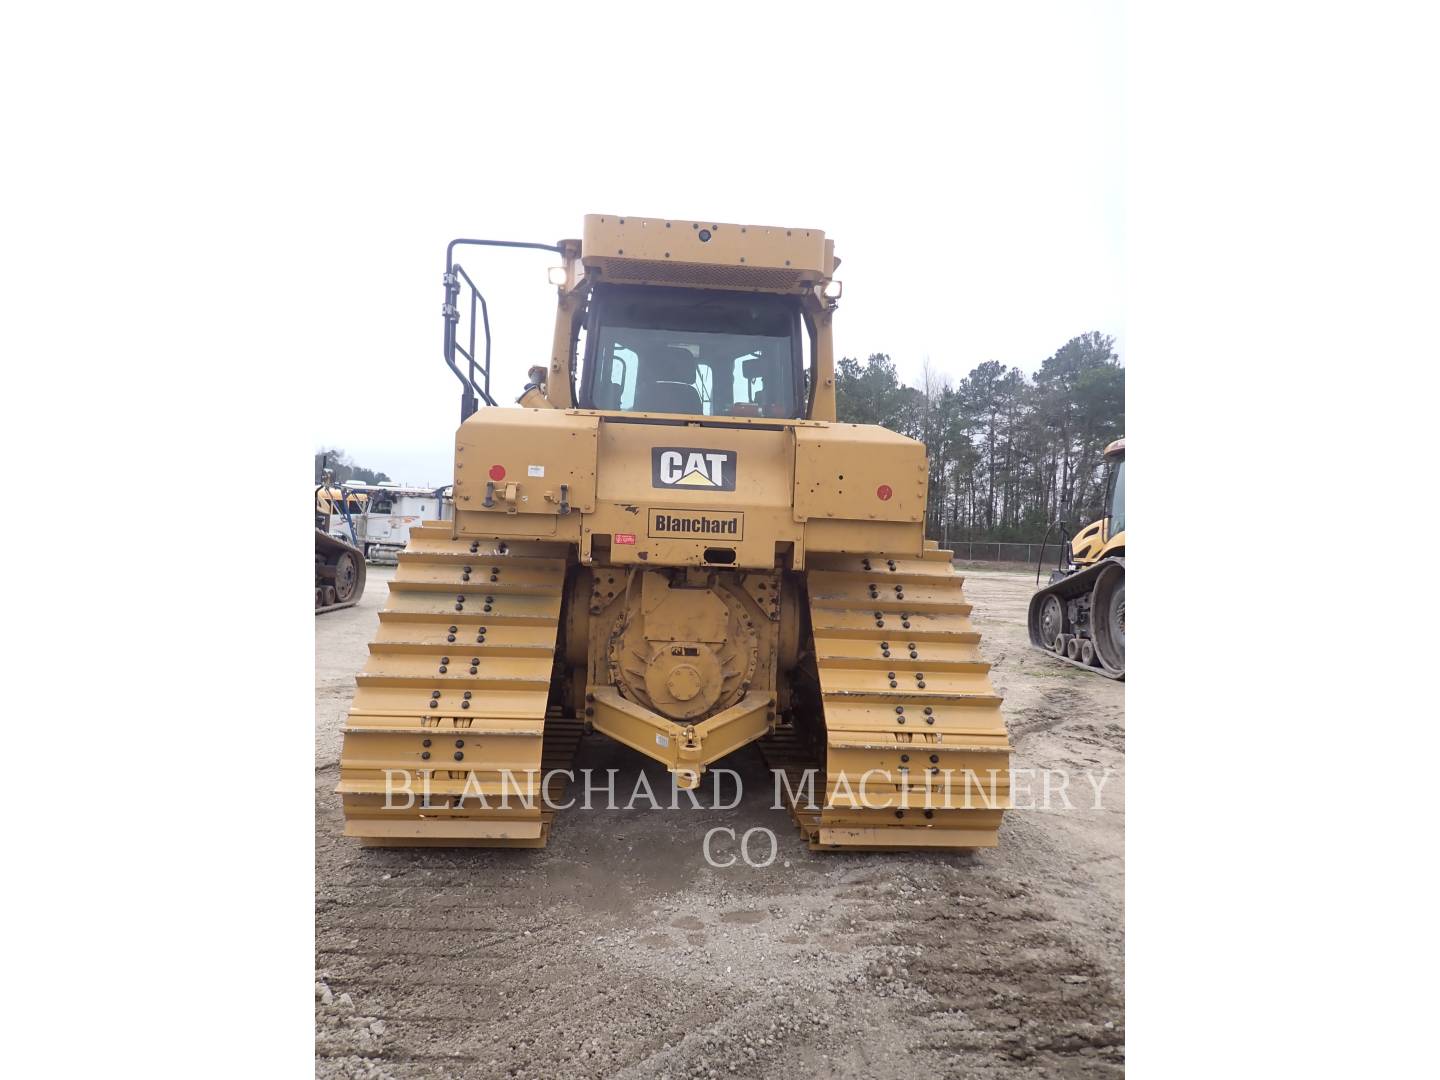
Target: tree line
column 1009, row 454
column 345, row 470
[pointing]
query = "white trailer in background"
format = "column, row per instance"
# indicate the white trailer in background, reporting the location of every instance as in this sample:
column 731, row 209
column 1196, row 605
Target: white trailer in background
column 383, row 515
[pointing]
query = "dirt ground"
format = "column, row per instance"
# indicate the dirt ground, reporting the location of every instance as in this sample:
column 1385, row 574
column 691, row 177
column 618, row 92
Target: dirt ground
column 618, row 952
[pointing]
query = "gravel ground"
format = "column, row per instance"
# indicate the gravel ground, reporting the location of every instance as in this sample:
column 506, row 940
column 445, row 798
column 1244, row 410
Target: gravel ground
column 618, row 952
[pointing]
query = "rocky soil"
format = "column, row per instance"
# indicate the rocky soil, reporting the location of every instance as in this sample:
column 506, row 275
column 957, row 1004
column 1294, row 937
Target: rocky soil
column 617, row 951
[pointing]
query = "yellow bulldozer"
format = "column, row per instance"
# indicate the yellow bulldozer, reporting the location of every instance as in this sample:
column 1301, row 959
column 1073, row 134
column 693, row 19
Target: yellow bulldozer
column 339, row 563
column 1079, row 616
column 673, row 543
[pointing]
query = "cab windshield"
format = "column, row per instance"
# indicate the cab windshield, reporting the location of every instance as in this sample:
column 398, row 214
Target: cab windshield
column 700, row 353
column 1117, row 499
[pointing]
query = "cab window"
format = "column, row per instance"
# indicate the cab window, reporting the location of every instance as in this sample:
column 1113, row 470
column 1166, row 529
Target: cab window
column 695, row 353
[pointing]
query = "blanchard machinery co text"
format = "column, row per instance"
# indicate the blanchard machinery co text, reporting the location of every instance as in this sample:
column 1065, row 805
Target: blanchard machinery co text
column 1009, row 789
column 758, row 847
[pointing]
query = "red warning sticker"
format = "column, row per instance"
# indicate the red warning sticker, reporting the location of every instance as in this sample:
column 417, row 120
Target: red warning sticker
column 625, row 538
column 883, row 493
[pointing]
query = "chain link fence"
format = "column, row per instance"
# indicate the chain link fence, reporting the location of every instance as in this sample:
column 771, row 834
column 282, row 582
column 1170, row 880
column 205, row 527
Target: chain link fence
column 988, row 551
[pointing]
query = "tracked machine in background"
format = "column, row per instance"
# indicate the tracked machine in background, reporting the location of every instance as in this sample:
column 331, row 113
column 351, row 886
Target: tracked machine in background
column 1079, row 617
column 339, row 563
column 674, row 543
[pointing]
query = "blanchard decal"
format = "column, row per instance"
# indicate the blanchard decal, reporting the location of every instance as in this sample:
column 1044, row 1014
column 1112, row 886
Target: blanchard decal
column 693, row 467
column 697, row 525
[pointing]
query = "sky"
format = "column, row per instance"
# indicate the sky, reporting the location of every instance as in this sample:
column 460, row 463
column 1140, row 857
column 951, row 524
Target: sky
column 968, row 162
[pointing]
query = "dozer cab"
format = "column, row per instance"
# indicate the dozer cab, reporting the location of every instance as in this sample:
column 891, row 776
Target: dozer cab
column 673, row 543
column 1079, row 617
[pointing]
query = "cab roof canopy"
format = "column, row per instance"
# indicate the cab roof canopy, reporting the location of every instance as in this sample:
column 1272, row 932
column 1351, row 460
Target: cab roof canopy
column 706, row 254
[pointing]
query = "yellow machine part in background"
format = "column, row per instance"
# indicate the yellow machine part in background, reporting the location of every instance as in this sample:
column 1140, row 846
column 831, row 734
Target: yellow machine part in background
column 339, row 565
column 1079, row 617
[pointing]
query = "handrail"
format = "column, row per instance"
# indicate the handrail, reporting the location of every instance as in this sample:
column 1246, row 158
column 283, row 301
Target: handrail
column 450, row 250
column 472, row 390
column 451, row 311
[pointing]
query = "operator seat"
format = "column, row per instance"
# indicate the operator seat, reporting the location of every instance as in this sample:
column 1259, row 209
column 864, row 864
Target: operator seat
column 607, row 394
column 666, row 382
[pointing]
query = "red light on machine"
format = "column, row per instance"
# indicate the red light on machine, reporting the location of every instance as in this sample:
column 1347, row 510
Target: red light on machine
column 497, row 472
column 883, row 493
